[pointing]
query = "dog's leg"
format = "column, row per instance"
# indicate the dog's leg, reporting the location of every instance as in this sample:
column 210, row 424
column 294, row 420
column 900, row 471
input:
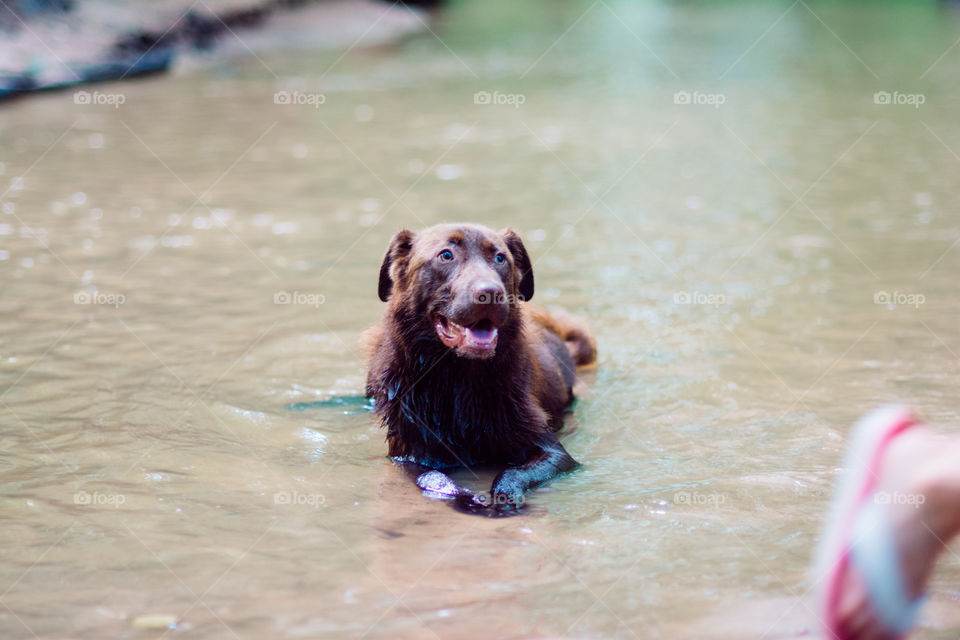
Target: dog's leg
column 439, row 486
column 548, row 461
column 435, row 484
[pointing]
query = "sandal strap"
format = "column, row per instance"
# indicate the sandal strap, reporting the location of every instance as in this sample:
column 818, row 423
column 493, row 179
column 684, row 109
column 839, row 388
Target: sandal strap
column 876, row 558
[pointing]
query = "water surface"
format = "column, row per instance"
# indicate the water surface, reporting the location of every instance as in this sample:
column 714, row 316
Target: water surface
column 763, row 251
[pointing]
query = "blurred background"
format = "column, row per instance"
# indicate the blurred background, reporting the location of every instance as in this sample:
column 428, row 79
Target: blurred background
column 753, row 204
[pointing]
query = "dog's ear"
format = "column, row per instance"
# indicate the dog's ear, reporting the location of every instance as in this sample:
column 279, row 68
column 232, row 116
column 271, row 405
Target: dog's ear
column 521, row 262
column 394, row 262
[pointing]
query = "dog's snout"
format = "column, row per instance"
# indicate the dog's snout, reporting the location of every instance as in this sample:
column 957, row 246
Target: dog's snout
column 487, row 292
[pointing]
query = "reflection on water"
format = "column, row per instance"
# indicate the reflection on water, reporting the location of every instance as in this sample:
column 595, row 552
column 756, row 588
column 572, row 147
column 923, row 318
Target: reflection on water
column 763, row 249
column 347, row 404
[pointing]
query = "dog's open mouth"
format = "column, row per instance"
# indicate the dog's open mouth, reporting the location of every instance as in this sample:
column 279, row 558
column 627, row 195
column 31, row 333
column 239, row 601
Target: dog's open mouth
column 478, row 340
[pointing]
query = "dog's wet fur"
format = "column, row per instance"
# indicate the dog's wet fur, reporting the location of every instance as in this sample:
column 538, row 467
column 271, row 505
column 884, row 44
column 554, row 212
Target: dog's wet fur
column 464, row 371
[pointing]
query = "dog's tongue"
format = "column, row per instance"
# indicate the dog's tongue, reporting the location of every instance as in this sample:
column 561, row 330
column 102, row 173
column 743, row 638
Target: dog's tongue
column 480, row 336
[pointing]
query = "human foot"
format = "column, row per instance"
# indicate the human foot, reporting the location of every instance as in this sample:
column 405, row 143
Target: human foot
column 878, row 553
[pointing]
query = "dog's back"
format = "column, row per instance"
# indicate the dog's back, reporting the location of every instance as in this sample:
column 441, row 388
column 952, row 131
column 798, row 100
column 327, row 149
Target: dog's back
column 569, row 328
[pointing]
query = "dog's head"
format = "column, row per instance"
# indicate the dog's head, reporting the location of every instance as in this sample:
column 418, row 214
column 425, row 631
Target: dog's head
column 463, row 281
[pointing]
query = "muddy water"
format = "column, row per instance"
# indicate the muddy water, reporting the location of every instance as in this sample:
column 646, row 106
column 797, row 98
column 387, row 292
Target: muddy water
column 763, row 251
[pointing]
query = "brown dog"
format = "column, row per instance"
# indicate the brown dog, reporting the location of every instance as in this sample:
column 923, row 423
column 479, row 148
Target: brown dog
column 463, row 371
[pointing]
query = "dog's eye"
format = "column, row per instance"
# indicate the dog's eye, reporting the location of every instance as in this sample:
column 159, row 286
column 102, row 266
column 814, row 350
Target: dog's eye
column 499, row 258
column 446, row 255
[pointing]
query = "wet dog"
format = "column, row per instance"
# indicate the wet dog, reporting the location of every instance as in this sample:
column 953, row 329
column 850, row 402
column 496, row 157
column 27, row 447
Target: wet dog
column 464, row 371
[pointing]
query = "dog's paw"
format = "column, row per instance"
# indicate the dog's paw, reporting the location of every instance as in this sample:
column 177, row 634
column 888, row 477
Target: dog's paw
column 507, row 504
column 507, row 496
column 436, row 484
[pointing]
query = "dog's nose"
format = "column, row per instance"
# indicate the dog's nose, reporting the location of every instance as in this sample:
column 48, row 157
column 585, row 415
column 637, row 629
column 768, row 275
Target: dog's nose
column 487, row 292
